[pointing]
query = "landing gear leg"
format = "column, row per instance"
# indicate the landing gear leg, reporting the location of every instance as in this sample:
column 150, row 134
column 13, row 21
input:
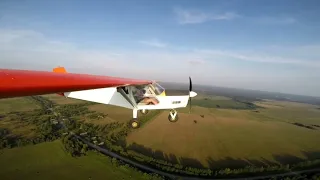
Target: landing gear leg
column 144, row 111
column 173, row 116
column 134, row 123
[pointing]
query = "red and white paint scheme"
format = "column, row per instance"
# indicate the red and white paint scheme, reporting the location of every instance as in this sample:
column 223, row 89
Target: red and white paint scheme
column 100, row 89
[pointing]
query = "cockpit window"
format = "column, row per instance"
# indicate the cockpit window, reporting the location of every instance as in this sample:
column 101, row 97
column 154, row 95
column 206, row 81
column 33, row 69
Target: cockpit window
column 158, row 89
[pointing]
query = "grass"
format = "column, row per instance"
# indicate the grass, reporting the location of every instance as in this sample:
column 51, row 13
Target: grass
column 218, row 102
column 227, row 137
column 17, row 104
column 49, row 161
column 13, row 122
column 18, row 127
column 288, row 112
column 145, row 119
column 212, row 97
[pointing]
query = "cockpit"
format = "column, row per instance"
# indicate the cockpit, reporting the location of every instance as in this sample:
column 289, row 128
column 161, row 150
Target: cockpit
column 157, row 89
column 151, row 90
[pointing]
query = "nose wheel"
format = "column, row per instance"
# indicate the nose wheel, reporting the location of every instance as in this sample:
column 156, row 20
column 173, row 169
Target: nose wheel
column 134, row 123
column 173, row 116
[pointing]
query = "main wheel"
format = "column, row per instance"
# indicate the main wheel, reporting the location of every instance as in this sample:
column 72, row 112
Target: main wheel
column 134, row 123
column 144, row 111
column 173, row 116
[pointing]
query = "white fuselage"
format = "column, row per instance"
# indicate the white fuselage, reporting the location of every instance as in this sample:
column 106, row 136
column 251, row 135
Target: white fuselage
column 124, row 97
column 113, row 97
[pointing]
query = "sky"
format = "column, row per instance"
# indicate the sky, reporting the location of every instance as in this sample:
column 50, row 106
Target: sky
column 271, row 45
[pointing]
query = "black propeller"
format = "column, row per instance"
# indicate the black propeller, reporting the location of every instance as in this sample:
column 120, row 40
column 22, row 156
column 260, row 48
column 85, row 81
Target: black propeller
column 190, row 89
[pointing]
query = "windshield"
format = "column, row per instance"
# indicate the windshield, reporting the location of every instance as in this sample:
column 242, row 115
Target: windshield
column 158, row 90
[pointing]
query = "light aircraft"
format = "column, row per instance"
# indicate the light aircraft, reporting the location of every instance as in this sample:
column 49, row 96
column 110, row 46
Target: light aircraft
column 100, row 89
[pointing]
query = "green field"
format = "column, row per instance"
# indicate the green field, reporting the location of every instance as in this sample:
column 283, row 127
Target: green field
column 221, row 103
column 289, row 112
column 49, row 161
column 18, row 127
column 17, row 104
column 13, row 122
column 234, row 138
column 234, row 134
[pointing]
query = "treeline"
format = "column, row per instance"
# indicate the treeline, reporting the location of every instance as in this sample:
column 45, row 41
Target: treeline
column 249, row 104
column 116, row 143
column 166, row 166
column 74, row 146
column 225, row 104
column 299, row 177
column 306, row 164
column 206, row 172
column 305, row 126
column 71, row 110
column 6, row 142
column 43, row 102
column 50, row 130
column 47, row 129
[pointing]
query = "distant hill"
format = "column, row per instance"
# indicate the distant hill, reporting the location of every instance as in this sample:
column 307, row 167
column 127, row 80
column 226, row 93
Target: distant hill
column 249, row 95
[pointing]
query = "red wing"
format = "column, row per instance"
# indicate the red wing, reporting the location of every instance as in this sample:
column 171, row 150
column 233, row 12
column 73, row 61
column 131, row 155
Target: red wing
column 14, row 83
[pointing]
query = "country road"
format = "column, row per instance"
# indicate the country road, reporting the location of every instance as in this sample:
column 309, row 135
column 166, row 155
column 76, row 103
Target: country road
column 171, row 176
column 162, row 173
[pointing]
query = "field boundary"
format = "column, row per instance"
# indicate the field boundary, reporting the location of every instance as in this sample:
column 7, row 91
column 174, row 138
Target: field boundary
column 173, row 176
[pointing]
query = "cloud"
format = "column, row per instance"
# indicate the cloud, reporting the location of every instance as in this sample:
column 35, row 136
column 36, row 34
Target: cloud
column 196, row 61
column 276, row 20
column 261, row 57
column 195, row 17
column 154, row 42
column 27, row 49
column 185, row 16
column 7, row 35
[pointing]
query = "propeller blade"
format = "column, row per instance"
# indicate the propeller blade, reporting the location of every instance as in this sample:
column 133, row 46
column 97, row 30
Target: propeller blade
column 190, row 89
column 189, row 105
column 190, row 84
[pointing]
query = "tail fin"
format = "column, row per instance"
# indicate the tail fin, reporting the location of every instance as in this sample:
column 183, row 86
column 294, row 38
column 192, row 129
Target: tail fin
column 59, row 70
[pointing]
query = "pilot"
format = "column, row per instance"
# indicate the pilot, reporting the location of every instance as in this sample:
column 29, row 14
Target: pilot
column 142, row 96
